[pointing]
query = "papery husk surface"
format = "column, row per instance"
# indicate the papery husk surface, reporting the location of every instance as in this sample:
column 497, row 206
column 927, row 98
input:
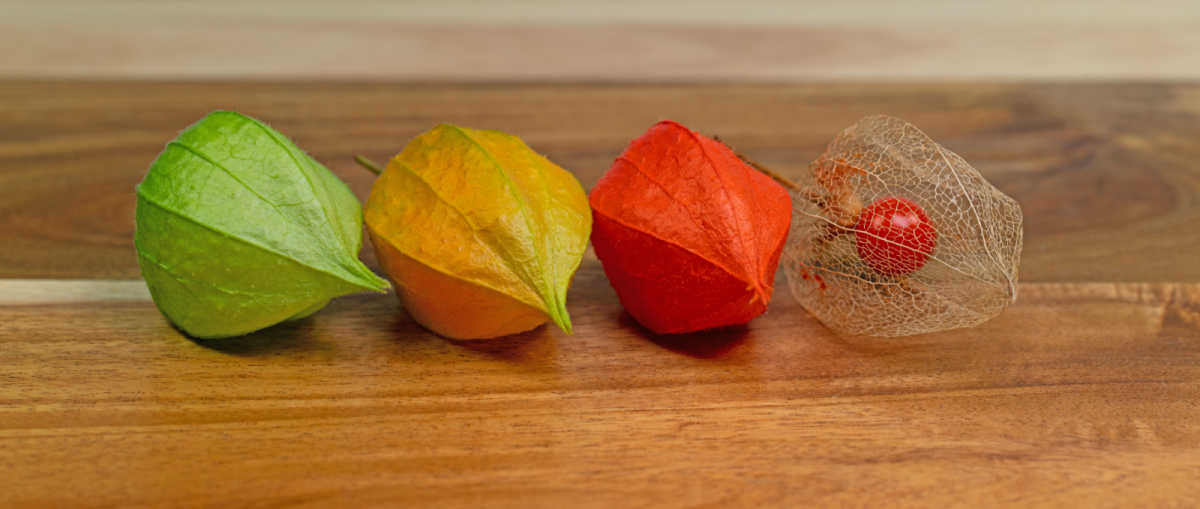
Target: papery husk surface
column 971, row 274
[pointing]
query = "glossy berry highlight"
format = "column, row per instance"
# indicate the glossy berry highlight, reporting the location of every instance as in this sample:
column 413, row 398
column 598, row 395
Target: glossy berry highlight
column 894, row 236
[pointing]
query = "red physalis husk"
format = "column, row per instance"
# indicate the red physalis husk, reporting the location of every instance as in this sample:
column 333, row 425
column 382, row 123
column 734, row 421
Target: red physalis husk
column 689, row 235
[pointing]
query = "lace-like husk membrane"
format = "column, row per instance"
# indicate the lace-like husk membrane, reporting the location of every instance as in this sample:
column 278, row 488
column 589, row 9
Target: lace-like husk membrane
column 971, row 273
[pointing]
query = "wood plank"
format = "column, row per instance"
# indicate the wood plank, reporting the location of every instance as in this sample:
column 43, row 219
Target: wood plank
column 1106, row 174
column 620, row 40
column 1081, row 394
column 1084, row 393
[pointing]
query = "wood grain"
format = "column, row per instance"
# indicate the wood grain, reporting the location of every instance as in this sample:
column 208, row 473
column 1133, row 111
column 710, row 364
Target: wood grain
column 617, row 40
column 1106, row 174
column 1086, row 392
column 1081, row 394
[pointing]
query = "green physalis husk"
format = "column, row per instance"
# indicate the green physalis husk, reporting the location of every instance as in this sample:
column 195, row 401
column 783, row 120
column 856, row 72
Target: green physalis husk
column 238, row 229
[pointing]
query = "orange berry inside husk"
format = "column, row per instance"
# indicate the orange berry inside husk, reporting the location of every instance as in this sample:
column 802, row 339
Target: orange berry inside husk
column 894, row 236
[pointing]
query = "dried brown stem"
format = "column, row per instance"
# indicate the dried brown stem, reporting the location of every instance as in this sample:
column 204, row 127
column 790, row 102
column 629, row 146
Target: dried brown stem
column 783, row 181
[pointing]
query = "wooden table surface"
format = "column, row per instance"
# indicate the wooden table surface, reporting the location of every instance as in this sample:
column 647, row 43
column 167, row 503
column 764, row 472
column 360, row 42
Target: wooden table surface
column 1085, row 392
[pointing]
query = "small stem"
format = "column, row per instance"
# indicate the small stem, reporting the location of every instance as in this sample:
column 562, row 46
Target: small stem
column 368, row 164
column 817, row 198
column 783, row 181
column 810, row 195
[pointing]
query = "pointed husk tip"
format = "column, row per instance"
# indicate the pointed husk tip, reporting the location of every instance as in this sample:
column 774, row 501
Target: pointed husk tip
column 557, row 310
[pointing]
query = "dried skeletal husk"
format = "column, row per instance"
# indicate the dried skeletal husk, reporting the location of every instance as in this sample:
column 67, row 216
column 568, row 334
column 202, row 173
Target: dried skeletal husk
column 971, row 273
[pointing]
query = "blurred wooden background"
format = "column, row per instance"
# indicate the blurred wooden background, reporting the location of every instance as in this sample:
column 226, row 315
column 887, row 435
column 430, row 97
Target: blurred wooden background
column 601, row 41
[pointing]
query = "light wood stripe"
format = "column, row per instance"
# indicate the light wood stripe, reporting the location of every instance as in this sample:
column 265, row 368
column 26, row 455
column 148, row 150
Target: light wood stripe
column 57, row 291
